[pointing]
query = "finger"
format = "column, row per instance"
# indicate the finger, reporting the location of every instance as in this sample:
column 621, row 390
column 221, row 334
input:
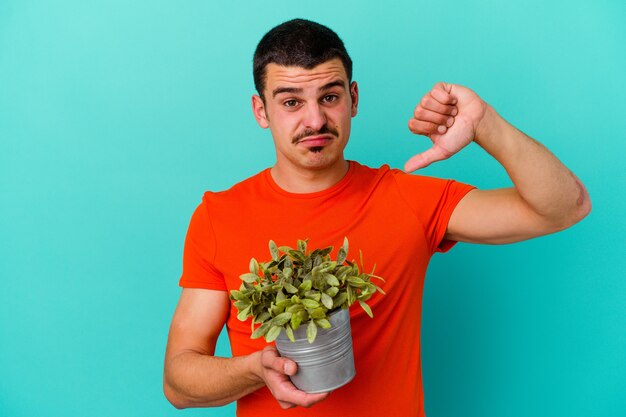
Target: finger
column 288, row 394
column 442, row 93
column 424, row 159
column 447, row 87
column 430, row 102
column 433, row 117
column 271, row 359
column 285, row 405
column 276, row 379
column 420, row 127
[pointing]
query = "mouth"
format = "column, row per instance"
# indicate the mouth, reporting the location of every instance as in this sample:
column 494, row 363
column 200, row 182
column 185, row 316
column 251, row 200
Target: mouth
column 315, row 141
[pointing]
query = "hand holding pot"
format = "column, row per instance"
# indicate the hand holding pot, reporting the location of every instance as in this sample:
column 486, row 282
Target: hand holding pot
column 275, row 371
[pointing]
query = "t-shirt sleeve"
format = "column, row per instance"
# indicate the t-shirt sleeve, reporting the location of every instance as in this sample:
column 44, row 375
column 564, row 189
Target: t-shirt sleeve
column 433, row 201
column 199, row 254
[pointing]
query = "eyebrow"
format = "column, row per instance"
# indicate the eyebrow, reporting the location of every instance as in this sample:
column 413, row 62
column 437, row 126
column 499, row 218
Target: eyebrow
column 293, row 90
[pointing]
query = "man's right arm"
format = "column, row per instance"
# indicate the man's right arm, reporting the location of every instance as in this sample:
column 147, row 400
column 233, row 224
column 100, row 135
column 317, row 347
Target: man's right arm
column 193, row 377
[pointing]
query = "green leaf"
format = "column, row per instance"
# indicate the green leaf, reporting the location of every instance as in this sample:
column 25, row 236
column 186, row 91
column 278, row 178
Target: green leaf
column 310, row 304
column 308, row 263
column 243, row 314
column 306, row 285
column 315, row 272
column 273, row 333
column 332, row 291
column 304, row 315
column 350, row 293
column 341, row 256
column 283, row 303
column 319, row 283
column 268, row 288
column 342, row 271
column 273, row 250
column 311, row 331
column 289, row 332
column 240, row 305
column 297, row 255
column 281, row 319
column 290, row 288
column 287, row 273
column 280, row 296
column 318, row 313
column 331, row 280
column 250, row 278
column 238, row 295
column 340, row 299
column 302, row 246
column 313, row 295
column 261, row 330
column 296, row 319
column 364, row 296
column 380, row 290
column 326, row 251
column 367, row 308
column 356, row 281
column 323, row 323
column 263, row 316
column 328, row 266
column 254, row 266
column 295, row 308
column 327, row 300
column 284, row 249
column 345, row 244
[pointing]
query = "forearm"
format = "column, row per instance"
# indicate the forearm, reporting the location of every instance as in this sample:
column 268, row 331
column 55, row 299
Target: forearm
column 192, row 379
column 547, row 186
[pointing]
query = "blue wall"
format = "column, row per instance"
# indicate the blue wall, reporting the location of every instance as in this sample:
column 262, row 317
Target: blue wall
column 115, row 116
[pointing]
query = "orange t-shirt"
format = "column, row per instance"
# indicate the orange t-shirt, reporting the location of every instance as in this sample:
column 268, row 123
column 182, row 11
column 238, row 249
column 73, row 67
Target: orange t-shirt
column 397, row 220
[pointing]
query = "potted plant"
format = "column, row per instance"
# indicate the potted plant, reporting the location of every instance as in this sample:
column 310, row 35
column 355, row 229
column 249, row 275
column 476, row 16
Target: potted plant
column 307, row 295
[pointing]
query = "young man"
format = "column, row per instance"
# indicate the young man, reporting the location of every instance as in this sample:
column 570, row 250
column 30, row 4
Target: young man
column 306, row 97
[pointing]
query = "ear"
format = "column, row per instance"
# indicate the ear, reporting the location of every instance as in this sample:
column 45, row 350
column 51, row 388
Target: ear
column 354, row 95
column 258, row 109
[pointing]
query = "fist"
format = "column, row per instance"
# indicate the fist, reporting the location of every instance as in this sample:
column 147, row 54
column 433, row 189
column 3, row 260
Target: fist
column 448, row 115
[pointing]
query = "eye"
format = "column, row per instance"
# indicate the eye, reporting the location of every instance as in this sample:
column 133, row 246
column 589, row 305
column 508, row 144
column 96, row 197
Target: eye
column 329, row 98
column 290, row 103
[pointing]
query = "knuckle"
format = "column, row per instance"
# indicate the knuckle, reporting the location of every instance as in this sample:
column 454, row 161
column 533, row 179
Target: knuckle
column 308, row 403
column 266, row 360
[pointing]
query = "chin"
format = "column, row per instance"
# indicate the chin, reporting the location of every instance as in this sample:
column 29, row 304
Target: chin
column 320, row 160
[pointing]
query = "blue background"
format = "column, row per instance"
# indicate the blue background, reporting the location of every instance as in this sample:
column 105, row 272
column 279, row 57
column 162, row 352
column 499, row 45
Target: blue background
column 115, row 116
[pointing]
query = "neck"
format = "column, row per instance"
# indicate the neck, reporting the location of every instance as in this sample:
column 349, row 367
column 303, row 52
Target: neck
column 302, row 181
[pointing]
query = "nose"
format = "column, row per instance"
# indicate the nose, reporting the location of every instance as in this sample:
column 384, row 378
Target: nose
column 314, row 117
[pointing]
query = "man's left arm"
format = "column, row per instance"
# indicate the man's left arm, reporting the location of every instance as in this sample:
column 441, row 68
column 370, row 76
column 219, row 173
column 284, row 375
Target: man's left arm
column 546, row 196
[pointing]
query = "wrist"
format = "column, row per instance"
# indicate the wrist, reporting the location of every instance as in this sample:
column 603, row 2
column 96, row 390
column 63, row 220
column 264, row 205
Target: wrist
column 486, row 125
column 255, row 367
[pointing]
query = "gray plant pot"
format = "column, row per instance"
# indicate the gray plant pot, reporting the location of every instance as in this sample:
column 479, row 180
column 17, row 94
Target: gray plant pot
column 325, row 364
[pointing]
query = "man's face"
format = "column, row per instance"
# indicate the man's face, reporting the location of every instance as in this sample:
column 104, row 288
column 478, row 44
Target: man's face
column 308, row 112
